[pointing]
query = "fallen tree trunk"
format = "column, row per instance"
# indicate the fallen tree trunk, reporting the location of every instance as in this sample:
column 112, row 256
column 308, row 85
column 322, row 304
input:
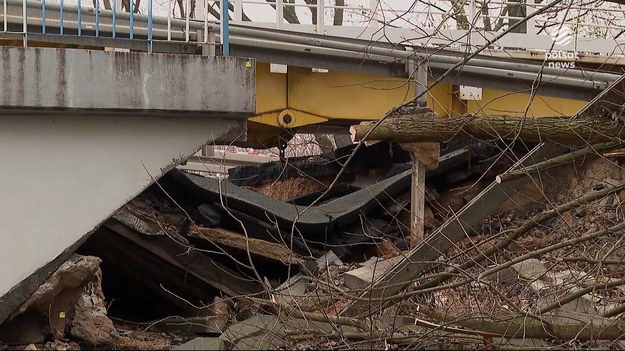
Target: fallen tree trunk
column 562, row 130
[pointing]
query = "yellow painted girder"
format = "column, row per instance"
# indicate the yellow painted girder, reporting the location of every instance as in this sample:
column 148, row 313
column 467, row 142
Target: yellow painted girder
column 309, row 97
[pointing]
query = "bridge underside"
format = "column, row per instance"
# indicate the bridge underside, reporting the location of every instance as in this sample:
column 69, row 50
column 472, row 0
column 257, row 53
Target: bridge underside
column 78, row 141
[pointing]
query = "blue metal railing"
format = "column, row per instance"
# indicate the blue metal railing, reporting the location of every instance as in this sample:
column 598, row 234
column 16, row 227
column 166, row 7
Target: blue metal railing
column 69, row 18
column 225, row 30
column 80, row 26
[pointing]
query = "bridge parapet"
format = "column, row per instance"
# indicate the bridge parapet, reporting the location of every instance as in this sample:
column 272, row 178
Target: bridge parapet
column 108, row 82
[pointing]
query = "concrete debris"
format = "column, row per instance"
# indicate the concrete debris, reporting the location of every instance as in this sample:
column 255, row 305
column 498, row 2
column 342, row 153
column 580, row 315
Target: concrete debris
column 30, row 347
column 361, row 277
column 55, row 305
column 295, row 287
column 91, row 325
column 260, row 332
column 268, row 332
column 74, row 273
column 531, row 269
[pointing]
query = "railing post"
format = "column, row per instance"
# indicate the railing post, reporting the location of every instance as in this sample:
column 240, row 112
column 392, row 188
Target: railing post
column 132, row 19
column 114, row 18
column 187, row 13
column 472, row 13
column 321, row 15
column 212, row 42
column 169, row 20
column 374, row 8
column 225, row 28
column 79, row 17
column 97, row 18
column 279, row 13
column 238, row 11
column 6, row 23
column 149, row 26
column 206, row 21
column 24, row 17
column 43, row 16
column 25, row 23
column 531, row 23
column 61, row 19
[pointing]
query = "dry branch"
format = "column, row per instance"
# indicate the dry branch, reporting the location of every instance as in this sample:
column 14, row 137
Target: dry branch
column 558, row 161
column 562, row 130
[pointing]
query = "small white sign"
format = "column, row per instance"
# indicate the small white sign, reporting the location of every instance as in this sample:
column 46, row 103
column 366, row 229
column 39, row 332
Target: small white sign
column 470, row 93
column 277, row 68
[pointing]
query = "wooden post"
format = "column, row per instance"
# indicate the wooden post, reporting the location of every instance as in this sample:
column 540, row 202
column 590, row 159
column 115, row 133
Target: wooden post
column 417, row 190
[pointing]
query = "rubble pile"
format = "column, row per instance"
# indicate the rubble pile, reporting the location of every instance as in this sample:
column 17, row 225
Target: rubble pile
column 204, row 263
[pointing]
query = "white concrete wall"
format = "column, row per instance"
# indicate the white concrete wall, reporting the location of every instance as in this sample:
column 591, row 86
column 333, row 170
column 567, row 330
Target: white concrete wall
column 63, row 175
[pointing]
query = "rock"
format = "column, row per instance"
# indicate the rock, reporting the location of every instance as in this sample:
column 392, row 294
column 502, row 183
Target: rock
column 295, row 286
column 73, row 273
column 203, row 344
column 266, row 332
column 257, row 333
column 552, row 286
column 328, row 259
column 363, row 276
column 49, row 309
column 221, row 312
column 90, row 324
column 59, row 345
column 531, row 269
column 609, row 201
column 293, row 289
column 30, row 347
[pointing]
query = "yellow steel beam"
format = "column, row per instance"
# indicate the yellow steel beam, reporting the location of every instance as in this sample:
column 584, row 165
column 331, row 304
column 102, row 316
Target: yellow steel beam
column 304, row 97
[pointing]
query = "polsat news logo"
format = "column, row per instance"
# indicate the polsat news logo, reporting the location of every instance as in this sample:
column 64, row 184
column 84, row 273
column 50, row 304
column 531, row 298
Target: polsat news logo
column 561, row 36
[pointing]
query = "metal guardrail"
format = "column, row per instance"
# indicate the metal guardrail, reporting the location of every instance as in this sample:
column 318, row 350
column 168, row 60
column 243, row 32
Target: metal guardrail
column 434, row 25
column 595, row 28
